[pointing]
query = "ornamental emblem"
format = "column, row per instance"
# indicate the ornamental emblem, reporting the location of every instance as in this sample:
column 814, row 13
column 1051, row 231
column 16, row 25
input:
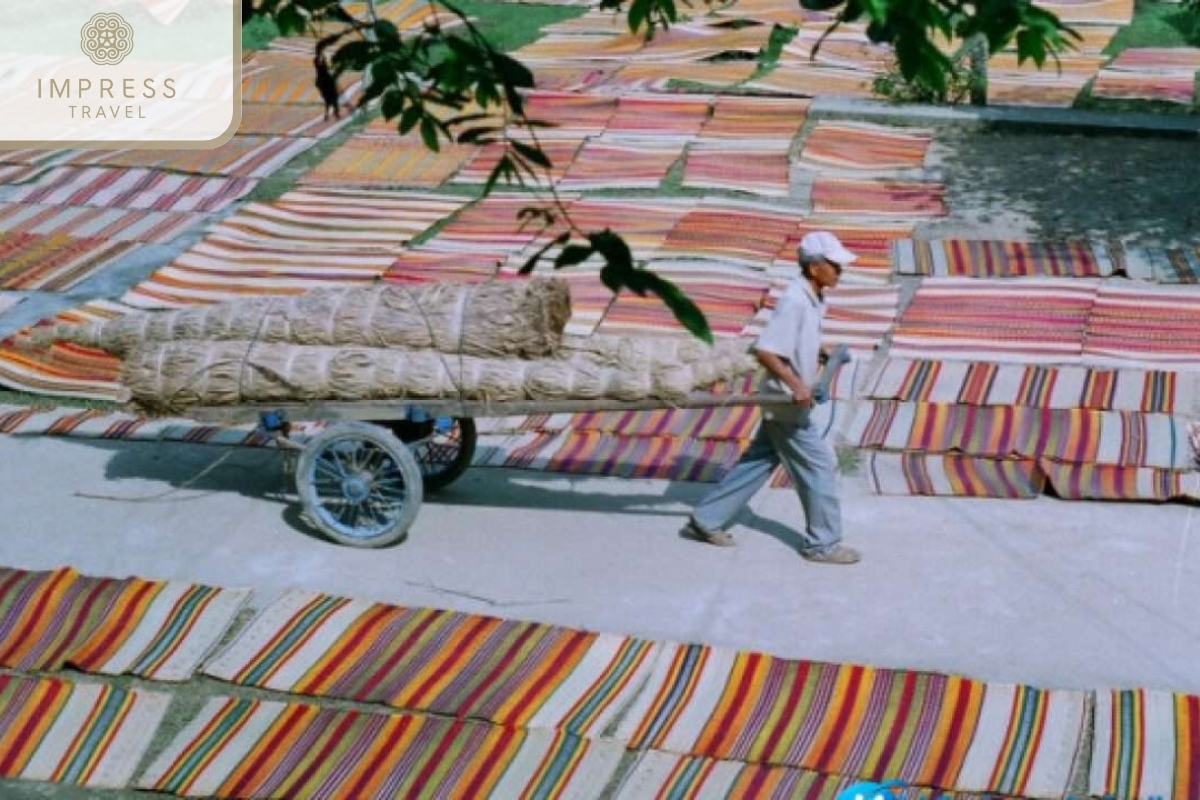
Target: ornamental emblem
column 106, row 38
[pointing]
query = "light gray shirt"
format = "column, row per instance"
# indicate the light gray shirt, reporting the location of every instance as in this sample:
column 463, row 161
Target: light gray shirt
column 794, row 333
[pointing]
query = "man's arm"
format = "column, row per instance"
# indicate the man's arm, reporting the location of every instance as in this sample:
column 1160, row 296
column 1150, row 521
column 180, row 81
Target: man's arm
column 775, row 364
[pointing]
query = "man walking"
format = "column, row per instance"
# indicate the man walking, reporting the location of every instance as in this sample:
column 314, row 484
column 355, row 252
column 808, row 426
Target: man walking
column 790, row 350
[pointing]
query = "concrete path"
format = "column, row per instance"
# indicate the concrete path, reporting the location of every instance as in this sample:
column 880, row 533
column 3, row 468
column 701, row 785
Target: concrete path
column 1060, row 594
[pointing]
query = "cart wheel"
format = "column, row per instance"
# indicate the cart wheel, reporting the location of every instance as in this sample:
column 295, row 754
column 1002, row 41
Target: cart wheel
column 443, row 447
column 359, row 485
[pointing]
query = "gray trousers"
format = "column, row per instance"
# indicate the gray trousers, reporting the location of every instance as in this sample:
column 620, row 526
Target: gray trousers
column 810, row 462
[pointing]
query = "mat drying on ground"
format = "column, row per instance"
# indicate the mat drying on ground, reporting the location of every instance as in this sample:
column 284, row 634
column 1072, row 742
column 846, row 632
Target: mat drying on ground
column 881, row 198
column 117, row 224
column 518, row 674
column 153, row 629
column 132, row 188
column 1137, row 325
column 174, row 375
column 258, row 749
column 495, row 319
column 29, row 261
column 1004, row 259
column 1147, row 745
column 857, row 146
column 926, row 729
column 85, row 734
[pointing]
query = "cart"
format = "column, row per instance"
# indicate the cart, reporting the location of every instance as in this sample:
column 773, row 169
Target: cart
column 361, row 479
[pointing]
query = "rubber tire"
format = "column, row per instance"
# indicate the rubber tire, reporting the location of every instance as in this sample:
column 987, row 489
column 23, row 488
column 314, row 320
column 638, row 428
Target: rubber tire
column 410, row 473
column 436, row 481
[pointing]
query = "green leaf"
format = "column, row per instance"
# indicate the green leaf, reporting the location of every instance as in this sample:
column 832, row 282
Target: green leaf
column 1031, row 44
column 429, row 133
column 531, row 153
column 573, row 254
column 528, row 266
column 512, row 72
column 289, row 20
column 477, row 136
column 354, row 55
column 387, row 33
column 687, row 312
column 412, row 115
column 503, row 169
column 820, row 5
column 393, row 103
column 639, row 12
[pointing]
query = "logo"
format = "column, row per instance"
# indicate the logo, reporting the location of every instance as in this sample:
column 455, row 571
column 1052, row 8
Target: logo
column 106, row 38
column 871, row 791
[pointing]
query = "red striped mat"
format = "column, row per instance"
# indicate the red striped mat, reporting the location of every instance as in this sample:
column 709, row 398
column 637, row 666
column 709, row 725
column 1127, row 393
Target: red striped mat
column 30, row 261
column 882, row 198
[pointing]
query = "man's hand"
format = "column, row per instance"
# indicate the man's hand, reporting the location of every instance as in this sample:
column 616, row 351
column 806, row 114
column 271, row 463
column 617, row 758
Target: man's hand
column 802, row 394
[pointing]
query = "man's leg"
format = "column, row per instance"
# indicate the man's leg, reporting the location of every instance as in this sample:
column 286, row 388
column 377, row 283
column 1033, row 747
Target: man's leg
column 717, row 509
column 812, row 465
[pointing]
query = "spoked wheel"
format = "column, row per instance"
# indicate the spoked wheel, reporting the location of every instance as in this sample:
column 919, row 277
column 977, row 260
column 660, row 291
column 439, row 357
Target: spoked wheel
column 443, row 447
column 359, row 485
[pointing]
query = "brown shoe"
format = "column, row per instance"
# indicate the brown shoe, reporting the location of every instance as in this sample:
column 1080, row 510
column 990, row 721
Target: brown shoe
column 718, row 538
column 838, row 554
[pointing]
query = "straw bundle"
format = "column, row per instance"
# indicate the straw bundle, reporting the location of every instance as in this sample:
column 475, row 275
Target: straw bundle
column 501, row 319
column 171, row 376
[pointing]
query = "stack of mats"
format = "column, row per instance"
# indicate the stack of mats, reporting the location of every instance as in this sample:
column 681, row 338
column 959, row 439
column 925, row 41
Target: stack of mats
column 1146, row 745
column 1004, row 430
column 1139, row 324
column 1149, row 73
column 1006, row 259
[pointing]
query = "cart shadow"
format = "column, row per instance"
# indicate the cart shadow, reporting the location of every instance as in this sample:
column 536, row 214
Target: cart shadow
column 192, row 471
column 516, row 489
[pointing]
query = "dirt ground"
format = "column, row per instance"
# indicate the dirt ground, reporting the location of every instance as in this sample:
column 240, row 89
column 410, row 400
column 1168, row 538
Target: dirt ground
column 1142, row 190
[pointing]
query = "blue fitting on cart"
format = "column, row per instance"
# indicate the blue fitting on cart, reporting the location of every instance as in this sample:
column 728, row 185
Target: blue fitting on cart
column 273, row 421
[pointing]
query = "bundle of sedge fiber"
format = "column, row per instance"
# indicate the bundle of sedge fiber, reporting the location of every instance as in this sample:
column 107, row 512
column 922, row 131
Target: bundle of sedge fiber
column 173, row 376
column 497, row 319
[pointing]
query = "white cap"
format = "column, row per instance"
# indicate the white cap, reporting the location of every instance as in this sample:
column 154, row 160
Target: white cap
column 823, row 244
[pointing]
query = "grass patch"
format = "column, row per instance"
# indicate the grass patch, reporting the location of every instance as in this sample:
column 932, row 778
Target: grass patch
column 1157, row 25
column 509, row 27
column 780, row 36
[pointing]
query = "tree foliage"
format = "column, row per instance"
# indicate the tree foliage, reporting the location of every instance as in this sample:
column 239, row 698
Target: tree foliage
column 448, row 83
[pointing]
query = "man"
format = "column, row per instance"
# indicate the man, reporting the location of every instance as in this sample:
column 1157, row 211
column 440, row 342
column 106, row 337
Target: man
column 790, row 350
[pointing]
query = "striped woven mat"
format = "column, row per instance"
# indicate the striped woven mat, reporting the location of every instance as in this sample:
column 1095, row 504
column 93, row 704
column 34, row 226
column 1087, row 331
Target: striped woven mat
column 858, row 146
column 1029, row 320
column 1069, row 435
column 398, row 162
column 102, row 223
column 571, row 113
column 1006, row 259
column 926, row 729
column 280, row 120
column 749, row 234
column 84, row 734
column 153, row 629
column 856, row 316
column 463, row 665
column 561, row 153
column 1146, row 745
column 991, row 384
column 242, row 748
column 755, row 118
column 660, row 76
column 131, row 188
column 606, row 163
column 881, row 198
column 55, row 263
column 668, row 775
column 813, row 80
column 248, row 156
column 1138, row 325
column 745, row 167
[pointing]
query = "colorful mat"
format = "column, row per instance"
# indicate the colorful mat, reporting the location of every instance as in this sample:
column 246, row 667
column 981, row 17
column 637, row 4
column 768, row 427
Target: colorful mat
column 100, row 223
column 64, row 369
column 84, row 734
column 743, row 233
column 397, row 162
column 930, row 730
column 856, row 316
column 1138, row 325
column 1146, row 745
column 659, row 116
column 618, row 164
column 967, row 258
column 743, row 166
column 812, row 80
column 880, row 198
column 30, row 261
column 279, row 120
column 1179, row 265
column 561, row 153
column 1068, row 435
column 1166, row 74
column 426, row 264
column 467, row 666
column 247, row 156
column 758, row 118
column 262, row 749
column 1027, row 320
column 862, row 147
column 153, row 629
column 666, row 775
column 571, row 114
column 131, row 188
column 991, row 384
column 662, row 76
